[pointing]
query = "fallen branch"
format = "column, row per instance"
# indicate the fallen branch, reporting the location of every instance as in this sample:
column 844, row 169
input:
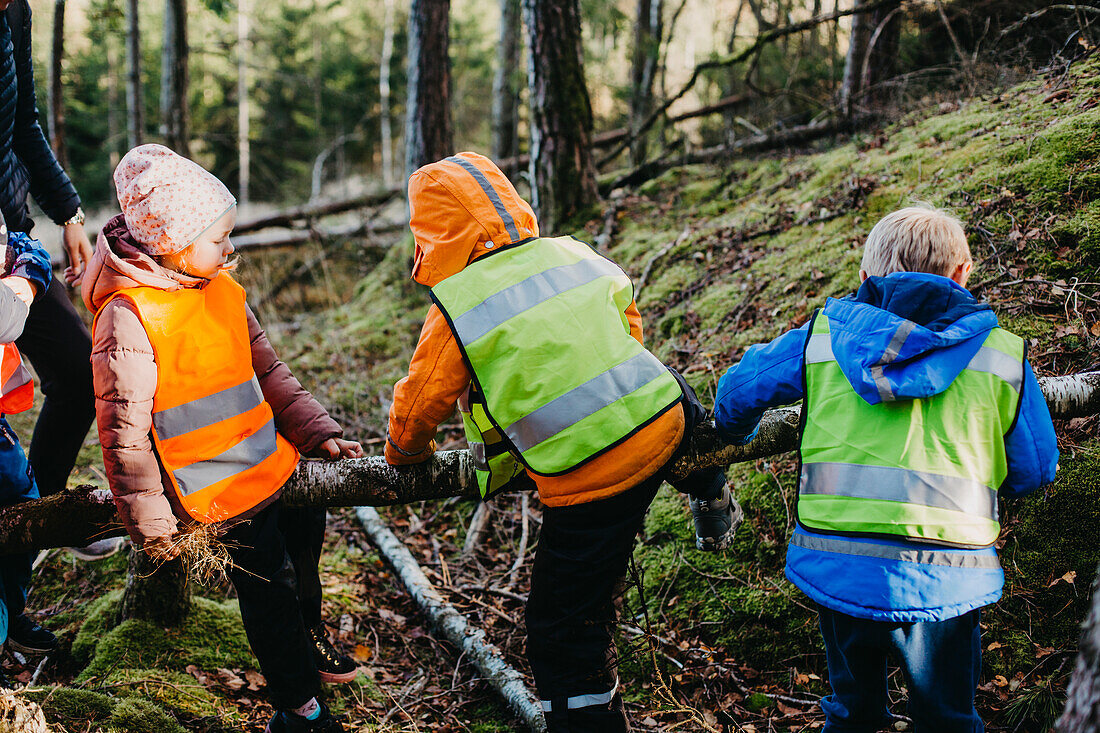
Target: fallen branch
column 79, row 515
column 299, row 237
column 478, row 522
column 287, row 217
column 446, row 619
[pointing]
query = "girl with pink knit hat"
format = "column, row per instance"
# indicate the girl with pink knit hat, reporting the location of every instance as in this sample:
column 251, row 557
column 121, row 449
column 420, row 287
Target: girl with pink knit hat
column 200, row 422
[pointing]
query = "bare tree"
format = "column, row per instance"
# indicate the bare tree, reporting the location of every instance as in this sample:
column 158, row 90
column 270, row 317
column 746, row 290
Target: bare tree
column 386, row 124
column 429, row 134
column 647, row 46
column 174, row 78
column 563, row 174
column 1082, row 713
column 872, row 55
column 134, row 102
column 506, row 91
column 244, row 150
column 57, row 97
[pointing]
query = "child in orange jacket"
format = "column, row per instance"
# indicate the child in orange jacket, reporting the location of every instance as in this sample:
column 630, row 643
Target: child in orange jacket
column 200, row 422
column 539, row 341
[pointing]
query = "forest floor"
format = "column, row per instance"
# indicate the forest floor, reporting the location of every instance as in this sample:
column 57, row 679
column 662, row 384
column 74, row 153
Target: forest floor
column 723, row 257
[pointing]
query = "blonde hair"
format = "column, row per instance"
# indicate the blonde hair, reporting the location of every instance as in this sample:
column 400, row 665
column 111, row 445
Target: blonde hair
column 917, row 238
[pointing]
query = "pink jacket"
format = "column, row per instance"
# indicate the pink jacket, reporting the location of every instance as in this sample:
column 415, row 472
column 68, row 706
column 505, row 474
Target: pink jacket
column 125, row 378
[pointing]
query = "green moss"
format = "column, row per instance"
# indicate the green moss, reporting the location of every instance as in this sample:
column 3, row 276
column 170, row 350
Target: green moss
column 69, row 705
column 211, row 637
column 171, row 690
column 132, row 715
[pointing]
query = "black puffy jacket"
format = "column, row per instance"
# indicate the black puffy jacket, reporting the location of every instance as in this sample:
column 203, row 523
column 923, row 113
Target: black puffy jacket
column 27, row 164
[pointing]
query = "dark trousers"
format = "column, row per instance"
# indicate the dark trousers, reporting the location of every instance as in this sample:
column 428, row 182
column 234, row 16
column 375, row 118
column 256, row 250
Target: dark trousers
column 941, row 660
column 264, row 550
column 59, row 348
column 16, row 485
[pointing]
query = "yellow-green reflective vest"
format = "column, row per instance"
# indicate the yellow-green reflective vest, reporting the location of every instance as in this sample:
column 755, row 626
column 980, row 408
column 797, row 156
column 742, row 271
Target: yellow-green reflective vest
column 925, row 469
column 557, row 377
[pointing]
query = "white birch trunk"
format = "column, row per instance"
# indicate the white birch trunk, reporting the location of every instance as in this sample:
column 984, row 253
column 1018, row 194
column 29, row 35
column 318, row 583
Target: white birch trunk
column 244, row 151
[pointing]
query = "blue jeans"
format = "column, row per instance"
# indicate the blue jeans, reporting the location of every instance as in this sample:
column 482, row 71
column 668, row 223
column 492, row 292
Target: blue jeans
column 16, row 485
column 941, row 660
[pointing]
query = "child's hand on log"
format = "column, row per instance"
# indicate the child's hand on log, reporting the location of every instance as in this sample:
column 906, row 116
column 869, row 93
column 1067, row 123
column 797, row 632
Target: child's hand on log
column 163, row 548
column 334, row 448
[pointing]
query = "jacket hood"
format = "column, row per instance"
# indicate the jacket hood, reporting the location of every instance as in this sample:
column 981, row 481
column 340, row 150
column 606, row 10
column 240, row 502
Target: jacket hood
column 118, row 263
column 461, row 208
column 906, row 335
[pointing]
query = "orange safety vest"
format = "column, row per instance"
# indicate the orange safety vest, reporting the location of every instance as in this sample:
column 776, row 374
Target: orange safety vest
column 16, row 389
column 213, row 432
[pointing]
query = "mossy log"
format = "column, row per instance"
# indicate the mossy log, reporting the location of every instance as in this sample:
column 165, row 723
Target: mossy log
column 79, row 515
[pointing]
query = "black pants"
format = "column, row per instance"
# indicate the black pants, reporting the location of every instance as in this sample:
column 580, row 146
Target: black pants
column 580, row 562
column 272, row 556
column 59, row 348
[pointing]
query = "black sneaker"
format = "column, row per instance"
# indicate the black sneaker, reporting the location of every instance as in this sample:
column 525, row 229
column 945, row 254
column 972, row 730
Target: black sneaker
column 285, row 721
column 331, row 664
column 716, row 520
column 27, row 637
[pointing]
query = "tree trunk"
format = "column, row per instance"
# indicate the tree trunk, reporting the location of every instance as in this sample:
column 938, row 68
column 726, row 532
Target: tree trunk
column 871, row 58
column 647, row 46
column 135, row 104
column 1082, row 713
column 386, row 124
column 173, row 78
column 113, row 131
column 563, row 174
column 157, row 593
column 244, row 150
column 57, row 97
column 506, row 90
column 75, row 517
column 429, row 135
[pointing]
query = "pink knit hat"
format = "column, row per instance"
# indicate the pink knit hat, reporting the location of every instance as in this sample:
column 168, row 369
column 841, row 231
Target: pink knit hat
column 166, row 199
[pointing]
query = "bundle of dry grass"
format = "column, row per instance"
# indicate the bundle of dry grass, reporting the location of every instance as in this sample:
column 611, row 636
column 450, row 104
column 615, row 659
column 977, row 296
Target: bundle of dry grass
column 204, row 554
column 20, row 715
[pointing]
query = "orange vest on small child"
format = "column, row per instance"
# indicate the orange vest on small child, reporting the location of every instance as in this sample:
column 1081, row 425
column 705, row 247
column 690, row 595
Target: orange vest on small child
column 213, row 432
column 16, row 389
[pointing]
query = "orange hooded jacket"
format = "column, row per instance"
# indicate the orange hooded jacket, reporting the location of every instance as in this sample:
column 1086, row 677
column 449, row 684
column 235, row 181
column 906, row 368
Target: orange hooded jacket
column 462, row 207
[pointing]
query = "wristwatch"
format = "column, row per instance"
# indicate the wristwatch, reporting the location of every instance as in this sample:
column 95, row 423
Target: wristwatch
column 77, row 218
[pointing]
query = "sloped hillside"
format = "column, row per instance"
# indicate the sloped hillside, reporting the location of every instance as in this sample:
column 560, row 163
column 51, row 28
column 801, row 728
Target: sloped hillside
column 727, row 256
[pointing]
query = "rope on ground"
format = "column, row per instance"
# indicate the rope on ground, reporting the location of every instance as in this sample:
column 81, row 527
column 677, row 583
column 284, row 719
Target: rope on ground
column 446, row 619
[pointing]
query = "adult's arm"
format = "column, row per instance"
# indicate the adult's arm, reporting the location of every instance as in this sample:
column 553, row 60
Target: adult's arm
column 49, row 184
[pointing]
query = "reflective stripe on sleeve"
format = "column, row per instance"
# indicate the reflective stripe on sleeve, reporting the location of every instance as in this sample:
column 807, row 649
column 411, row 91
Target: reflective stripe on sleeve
column 900, row 484
column 584, row 701
column 244, row 455
column 494, row 197
column 999, row 364
column 176, row 421
column 528, row 293
column 587, row 399
column 18, row 378
column 981, row 559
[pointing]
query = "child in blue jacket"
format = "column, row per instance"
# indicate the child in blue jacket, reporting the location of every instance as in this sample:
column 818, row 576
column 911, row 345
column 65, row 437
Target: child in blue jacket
column 918, row 410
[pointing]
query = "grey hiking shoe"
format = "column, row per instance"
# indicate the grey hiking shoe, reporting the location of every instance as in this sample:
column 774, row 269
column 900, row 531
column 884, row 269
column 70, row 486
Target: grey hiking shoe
column 716, row 520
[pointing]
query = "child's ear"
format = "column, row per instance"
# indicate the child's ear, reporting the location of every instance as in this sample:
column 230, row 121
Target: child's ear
column 962, row 273
column 862, row 275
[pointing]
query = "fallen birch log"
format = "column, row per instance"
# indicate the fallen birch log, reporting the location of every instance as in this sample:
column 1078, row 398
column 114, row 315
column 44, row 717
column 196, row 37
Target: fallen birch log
column 286, row 217
column 446, row 620
column 74, row 517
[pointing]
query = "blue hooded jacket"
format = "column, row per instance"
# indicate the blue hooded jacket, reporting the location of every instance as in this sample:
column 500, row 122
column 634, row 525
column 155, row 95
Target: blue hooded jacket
column 950, row 326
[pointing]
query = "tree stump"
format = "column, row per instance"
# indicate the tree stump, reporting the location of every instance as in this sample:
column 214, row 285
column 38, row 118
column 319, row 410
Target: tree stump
column 159, row 593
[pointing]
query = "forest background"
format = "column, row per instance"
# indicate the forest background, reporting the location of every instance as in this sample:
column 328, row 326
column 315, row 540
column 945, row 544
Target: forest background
column 734, row 222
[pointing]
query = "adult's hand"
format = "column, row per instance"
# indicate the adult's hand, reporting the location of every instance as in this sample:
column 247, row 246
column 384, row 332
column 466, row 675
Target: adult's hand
column 78, row 250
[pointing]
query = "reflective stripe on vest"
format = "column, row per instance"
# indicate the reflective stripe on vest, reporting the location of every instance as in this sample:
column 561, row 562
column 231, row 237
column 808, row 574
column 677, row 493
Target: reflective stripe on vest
column 491, row 454
column 16, row 387
column 842, row 546
column 543, row 328
column 214, row 434
column 930, row 468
